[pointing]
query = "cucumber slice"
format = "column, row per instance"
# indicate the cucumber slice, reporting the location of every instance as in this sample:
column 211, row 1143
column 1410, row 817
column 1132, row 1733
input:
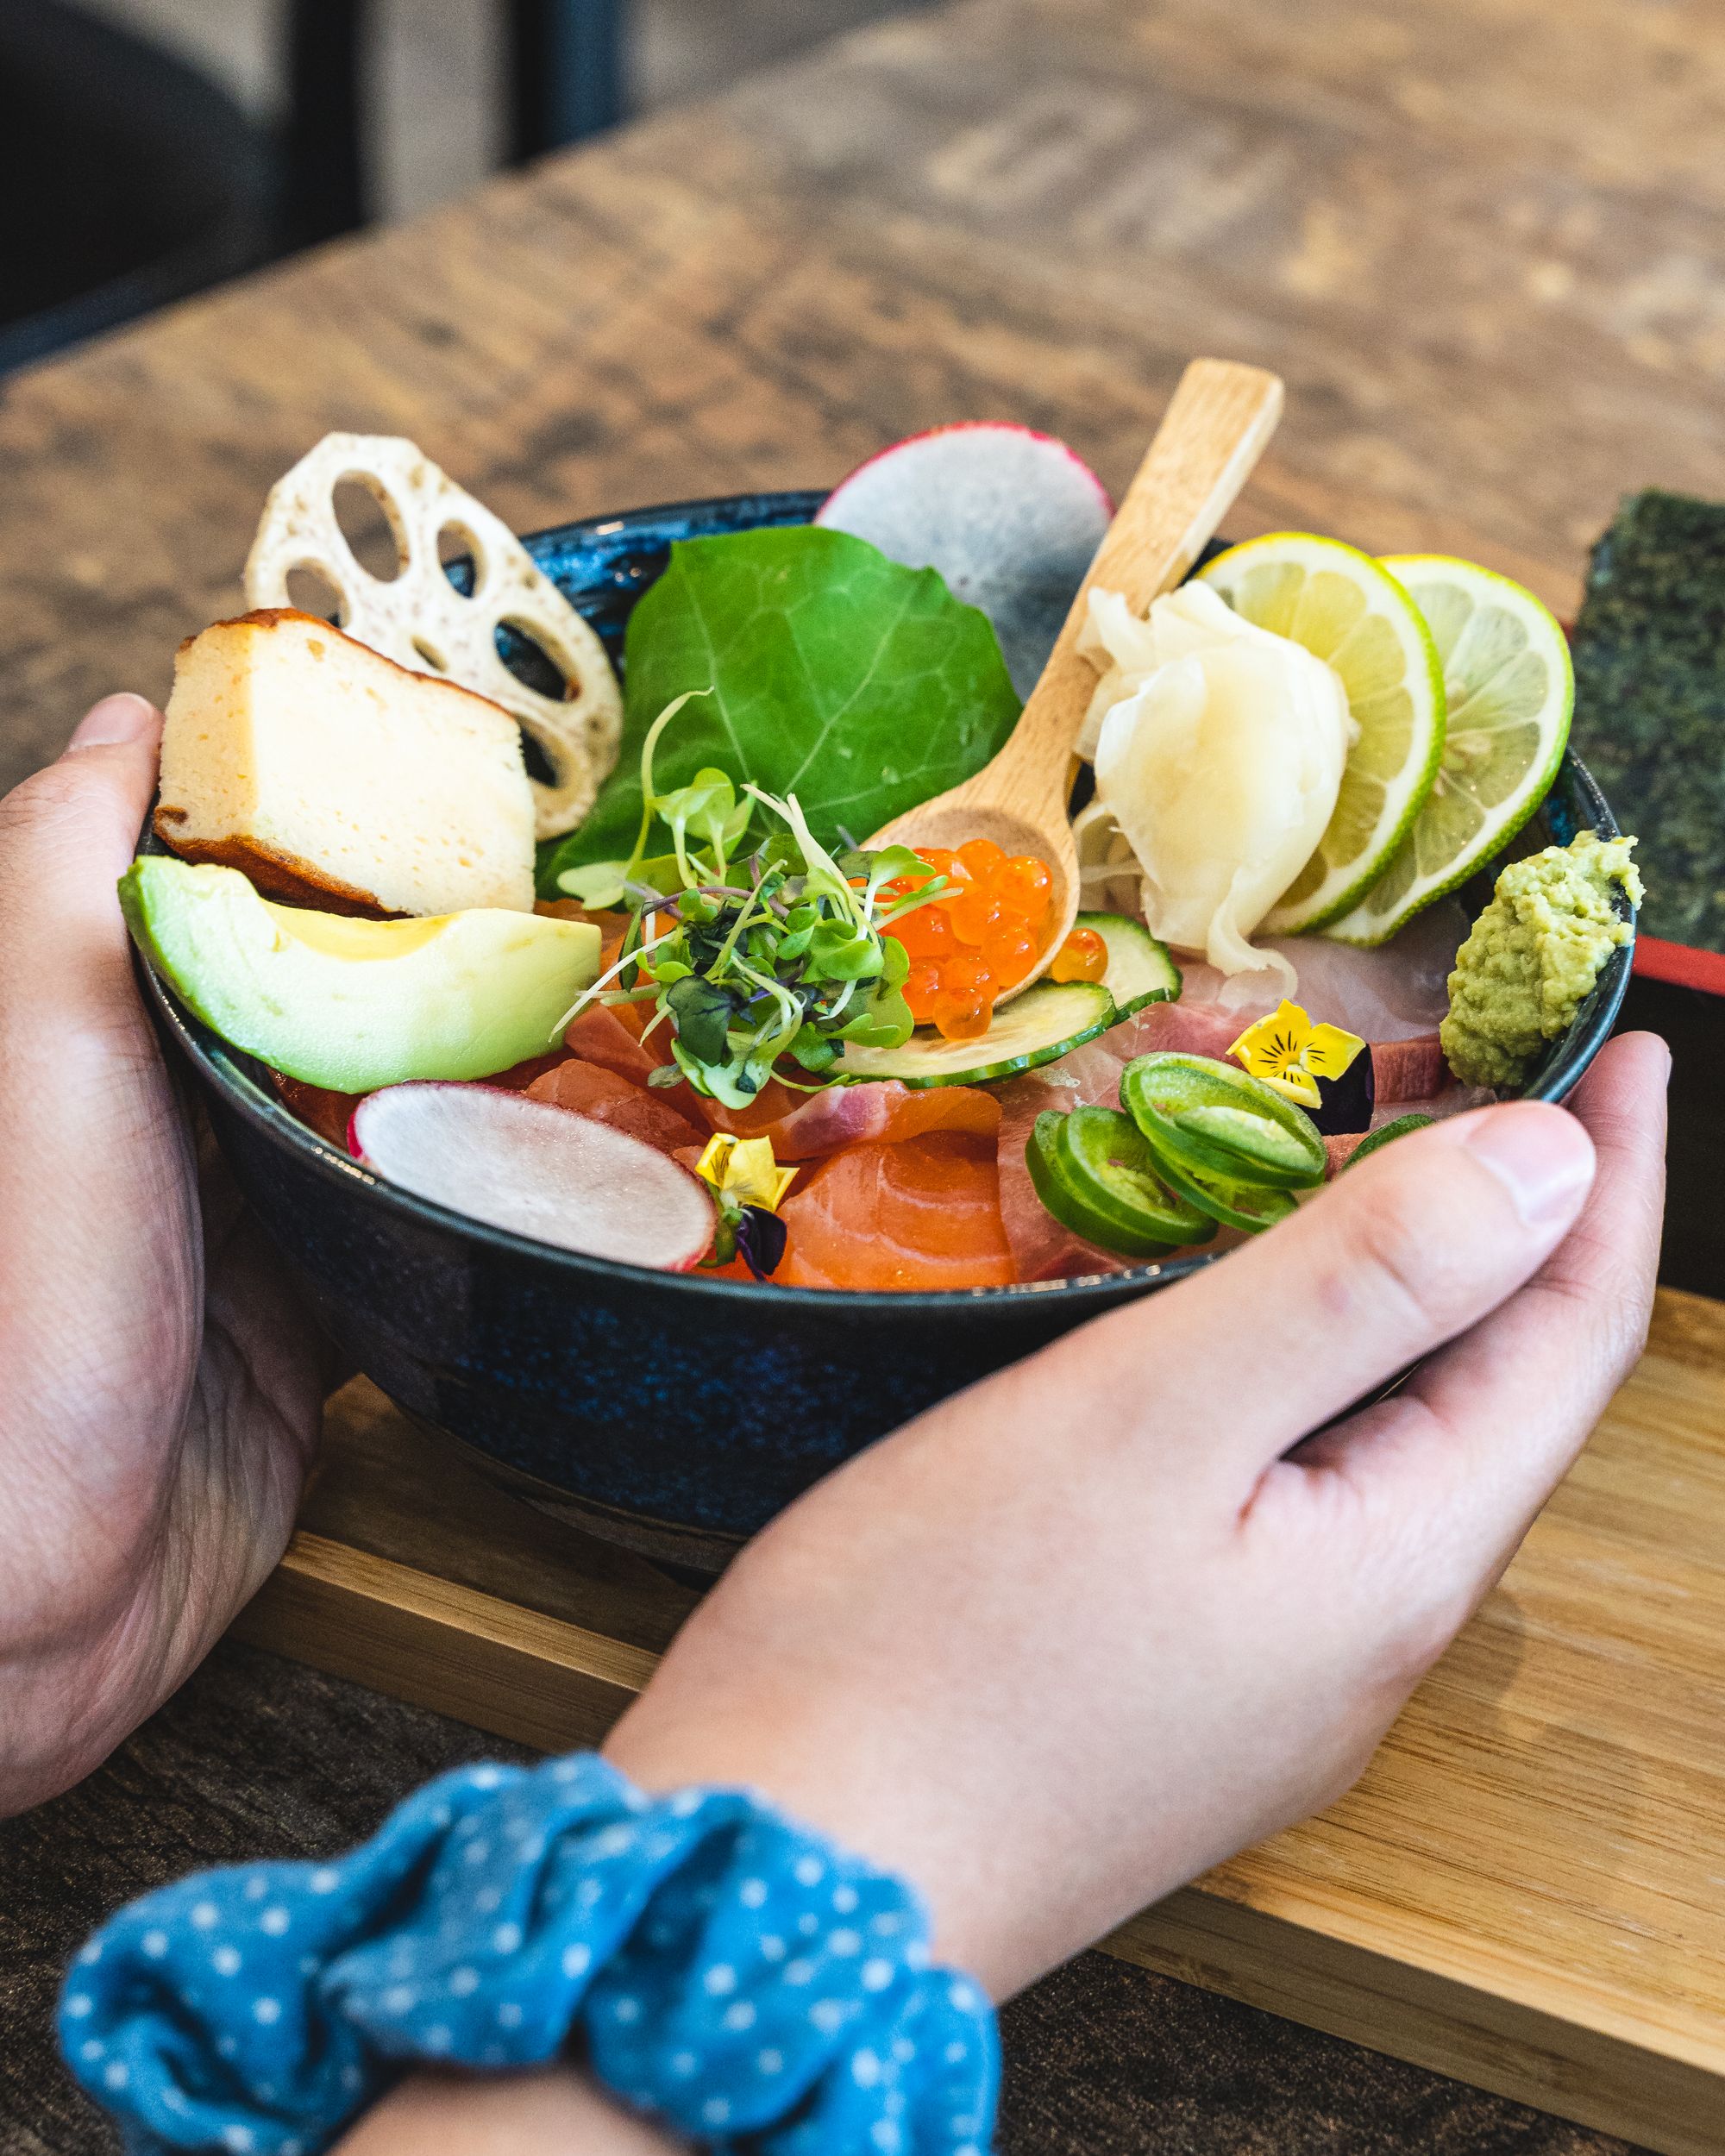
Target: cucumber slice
column 1095, row 1173
column 1222, row 1123
column 1034, row 1028
column 1140, row 969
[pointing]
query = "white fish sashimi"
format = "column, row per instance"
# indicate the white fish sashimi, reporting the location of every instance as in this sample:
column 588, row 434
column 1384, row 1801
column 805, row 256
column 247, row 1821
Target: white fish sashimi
column 1390, row 993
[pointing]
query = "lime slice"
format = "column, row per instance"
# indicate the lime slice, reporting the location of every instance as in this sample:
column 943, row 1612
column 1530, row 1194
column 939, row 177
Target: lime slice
column 1348, row 609
column 1510, row 689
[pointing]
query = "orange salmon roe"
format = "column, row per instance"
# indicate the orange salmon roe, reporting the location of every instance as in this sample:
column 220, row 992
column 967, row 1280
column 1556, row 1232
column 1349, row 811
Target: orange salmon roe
column 1083, row 956
column 978, row 940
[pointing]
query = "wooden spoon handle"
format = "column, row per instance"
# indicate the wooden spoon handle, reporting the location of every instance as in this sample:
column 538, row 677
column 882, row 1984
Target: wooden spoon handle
column 1212, row 433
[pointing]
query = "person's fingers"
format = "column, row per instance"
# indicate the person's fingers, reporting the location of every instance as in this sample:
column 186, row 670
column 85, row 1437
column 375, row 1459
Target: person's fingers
column 1486, row 1430
column 66, row 837
column 1401, row 1255
column 92, row 1147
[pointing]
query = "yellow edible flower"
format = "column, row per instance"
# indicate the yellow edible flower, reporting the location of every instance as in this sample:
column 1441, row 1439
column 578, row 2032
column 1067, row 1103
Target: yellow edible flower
column 1286, row 1050
column 744, row 1169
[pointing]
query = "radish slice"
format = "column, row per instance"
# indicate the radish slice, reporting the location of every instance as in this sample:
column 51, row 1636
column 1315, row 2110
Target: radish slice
column 1011, row 519
column 535, row 1169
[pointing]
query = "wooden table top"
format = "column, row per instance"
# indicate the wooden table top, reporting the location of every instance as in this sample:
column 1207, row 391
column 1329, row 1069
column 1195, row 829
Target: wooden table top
column 1482, row 240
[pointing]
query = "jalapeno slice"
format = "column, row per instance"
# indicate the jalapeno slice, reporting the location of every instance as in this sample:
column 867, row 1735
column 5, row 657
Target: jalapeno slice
column 1248, row 1206
column 1222, row 1125
column 1386, row 1132
column 1096, row 1173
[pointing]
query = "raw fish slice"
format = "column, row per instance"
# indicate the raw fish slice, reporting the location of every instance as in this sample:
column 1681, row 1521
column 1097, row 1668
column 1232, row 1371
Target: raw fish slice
column 330, row 1114
column 1409, row 1070
column 600, row 1036
column 588, row 1089
column 325, row 1113
column 925, row 1213
column 524, row 1076
column 773, row 1104
column 1452, row 1100
column 1188, row 1029
column 806, row 1126
column 885, row 1112
column 1399, row 989
column 1042, row 1248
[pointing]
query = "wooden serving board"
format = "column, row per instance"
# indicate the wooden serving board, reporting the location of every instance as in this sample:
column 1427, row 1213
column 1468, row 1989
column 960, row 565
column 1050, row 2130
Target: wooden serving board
column 1528, row 1889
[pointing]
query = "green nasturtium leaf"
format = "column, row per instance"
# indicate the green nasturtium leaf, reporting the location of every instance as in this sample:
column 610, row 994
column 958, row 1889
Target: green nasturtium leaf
column 858, row 685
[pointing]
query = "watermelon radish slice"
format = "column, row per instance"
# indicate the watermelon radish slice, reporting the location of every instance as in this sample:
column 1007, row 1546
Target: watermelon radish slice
column 1011, row 519
column 537, row 1170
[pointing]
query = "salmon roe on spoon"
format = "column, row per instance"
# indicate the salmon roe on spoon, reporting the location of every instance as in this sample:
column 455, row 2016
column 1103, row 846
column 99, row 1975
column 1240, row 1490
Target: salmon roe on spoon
column 980, row 936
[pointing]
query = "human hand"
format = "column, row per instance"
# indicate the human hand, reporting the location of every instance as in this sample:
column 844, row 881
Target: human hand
column 159, row 1386
column 1089, row 1628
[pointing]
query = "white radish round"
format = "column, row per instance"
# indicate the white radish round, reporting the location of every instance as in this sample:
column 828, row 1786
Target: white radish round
column 1011, row 519
column 537, row 1170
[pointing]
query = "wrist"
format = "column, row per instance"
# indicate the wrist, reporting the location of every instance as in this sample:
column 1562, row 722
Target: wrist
column 560, row 2113
column 850, row 1762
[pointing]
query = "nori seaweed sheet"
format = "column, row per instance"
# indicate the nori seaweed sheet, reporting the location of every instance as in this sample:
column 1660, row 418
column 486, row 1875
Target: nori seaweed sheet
column 1650, row 702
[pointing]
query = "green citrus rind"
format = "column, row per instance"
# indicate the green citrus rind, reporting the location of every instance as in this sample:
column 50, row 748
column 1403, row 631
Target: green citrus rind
column 1399, row 711
column 1404, row 889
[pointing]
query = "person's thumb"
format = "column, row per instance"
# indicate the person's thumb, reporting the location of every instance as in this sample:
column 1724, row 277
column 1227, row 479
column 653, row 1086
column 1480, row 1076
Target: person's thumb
column 120, row 721
column 66, row 837
column 1396, row 1258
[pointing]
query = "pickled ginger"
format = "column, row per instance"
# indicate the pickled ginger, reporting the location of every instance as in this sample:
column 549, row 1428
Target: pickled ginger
column 1219, row 750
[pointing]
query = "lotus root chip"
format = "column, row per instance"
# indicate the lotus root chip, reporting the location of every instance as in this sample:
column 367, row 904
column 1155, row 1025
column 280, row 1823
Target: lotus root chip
column 419, row 619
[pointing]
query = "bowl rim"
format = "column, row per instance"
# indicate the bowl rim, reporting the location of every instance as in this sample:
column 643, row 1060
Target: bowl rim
column 224, row 1068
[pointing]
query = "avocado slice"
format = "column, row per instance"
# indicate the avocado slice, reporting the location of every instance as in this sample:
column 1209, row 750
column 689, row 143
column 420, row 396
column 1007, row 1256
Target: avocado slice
column 351, row 1004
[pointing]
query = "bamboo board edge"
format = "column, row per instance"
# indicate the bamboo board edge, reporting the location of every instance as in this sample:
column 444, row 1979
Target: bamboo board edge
column 1471, row 2034
column 542, row 1681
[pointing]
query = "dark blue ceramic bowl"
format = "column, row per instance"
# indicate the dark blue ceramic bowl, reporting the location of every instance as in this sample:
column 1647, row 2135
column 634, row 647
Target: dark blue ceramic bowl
column 675, row 1413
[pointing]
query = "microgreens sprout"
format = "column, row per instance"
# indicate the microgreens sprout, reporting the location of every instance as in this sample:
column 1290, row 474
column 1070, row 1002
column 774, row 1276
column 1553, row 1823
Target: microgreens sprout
column 791, row 963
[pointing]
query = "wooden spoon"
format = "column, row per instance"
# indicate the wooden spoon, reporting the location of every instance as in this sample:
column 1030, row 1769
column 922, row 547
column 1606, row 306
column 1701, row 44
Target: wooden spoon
column 1212, row 433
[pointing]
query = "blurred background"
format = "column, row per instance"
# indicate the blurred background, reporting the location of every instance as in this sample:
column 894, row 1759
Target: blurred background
column 149, row 148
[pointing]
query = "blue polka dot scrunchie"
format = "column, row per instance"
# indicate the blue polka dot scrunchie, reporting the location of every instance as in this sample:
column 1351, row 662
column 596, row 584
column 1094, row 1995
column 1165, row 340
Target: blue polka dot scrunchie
column 712, row 1964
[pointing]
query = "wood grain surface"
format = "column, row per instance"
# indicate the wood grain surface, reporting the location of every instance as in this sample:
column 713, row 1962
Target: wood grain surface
column 1525, row 1888
column 1480, row 240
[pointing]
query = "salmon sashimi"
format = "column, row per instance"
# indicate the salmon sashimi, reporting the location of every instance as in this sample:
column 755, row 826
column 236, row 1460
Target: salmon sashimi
column 771, row 1106
column 924, row 1213
column 524, row 1076
column 600, row 1036
column 883, row 1110
column 807, row 1126
column 589, row 1089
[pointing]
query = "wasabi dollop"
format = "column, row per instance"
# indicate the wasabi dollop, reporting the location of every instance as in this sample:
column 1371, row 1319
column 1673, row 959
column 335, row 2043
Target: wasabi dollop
column 1535, row 953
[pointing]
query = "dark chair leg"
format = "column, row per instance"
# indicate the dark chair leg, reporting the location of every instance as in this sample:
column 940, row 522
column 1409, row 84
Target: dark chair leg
column 566, row 71
column 325, row 179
